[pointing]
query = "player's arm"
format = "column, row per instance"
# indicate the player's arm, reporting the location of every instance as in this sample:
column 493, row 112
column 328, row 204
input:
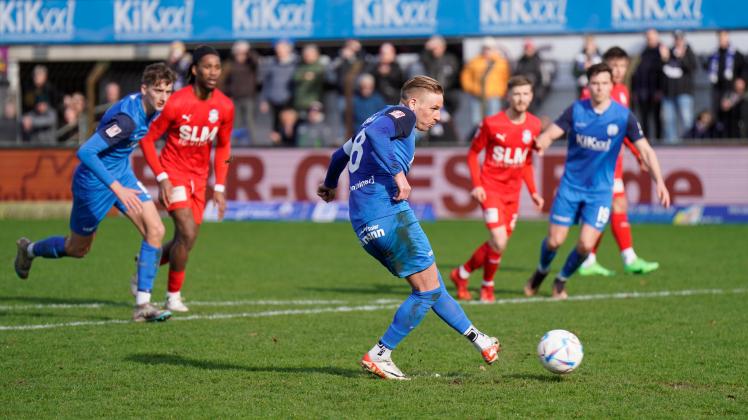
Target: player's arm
column 148, row 144
column 221, row 160
column 649, row 158
column 118, row 129
column 555, row 130
column 338, row 162
column 476, row 147
column 528, row 176
column 381, row 133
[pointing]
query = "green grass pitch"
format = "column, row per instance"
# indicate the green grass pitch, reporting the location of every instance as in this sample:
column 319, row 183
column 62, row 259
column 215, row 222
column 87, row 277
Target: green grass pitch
column 281, row 313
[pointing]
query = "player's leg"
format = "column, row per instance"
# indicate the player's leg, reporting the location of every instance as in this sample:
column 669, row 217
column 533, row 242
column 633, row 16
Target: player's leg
column 588, row 237
column 619, row 221
column 185, row 235
column 90, row 206
column 564, row 213
column 498, row 239
column 461, row 274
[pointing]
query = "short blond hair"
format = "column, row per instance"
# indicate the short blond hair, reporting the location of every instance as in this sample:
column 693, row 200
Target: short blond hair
column 420, row 83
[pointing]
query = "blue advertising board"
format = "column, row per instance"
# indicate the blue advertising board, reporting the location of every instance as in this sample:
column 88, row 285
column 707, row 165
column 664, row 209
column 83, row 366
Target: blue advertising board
column 113, row 21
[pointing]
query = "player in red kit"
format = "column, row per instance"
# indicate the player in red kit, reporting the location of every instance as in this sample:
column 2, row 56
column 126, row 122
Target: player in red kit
column 507, row 138
column 195, row 117
column 618, row 61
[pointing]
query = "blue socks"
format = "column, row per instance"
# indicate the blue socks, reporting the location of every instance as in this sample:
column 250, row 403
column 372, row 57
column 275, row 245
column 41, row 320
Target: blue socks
column 147, row 266
column 573, row 261
column 546, row 256
column 52, row 247
column 447, row 308
column 409, row 315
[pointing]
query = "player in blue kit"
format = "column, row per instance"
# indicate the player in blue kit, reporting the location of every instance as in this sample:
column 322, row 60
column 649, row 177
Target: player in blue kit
column 595, row 129
column 104, row 178
column 378, row 157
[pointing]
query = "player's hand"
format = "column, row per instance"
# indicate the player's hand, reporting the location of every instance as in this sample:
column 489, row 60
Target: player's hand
column 403, row 187
column 129, row 197
column 219, row 197
column 479, row 194
column 543, row 142
column 164, row 192
column 327, row 194
column 663, row 194
column 538, row 201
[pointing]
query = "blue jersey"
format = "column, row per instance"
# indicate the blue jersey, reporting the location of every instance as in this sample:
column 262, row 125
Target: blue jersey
column 105, row 157
column 594, row 142
column 383, row 146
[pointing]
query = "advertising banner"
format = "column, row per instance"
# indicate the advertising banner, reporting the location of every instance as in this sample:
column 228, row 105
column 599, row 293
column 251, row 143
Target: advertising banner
column 109, row 21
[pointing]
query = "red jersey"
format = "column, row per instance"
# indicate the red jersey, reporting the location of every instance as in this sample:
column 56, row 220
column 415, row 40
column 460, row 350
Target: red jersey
column 508, row 158
column 192, row 126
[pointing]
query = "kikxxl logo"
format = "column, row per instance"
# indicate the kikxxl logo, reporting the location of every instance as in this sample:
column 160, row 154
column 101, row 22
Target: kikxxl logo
column 383, row 16
column 36, row 18
column 515, row 14
column 268, row 17
column 645, row 13
column 135, row 19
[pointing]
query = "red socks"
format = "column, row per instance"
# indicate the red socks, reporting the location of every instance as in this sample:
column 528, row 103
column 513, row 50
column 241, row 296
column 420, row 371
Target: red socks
column 479, row 257
column 621, row 230
column 493, row 259
column 176, row 278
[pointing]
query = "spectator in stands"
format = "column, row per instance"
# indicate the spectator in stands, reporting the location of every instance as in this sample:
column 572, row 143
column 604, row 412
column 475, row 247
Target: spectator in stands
column 239, row 82
column 112, row 93
column 343, row 73
column 277, row 77
column 704, row 127
column 388, row 75
column 315, row 132
column 69, row 132
column 590, row 55
column 647, row 84
column 530, row 66
column 679, row 67
column 40, row 124
column 288, row 127
column 308, row 80
column 40, row 87
column 367, row 100
column 484, row 78
column 9, row 126
column 180, row 61
column 725, row 67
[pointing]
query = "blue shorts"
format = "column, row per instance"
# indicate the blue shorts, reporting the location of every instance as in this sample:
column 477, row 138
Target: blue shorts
column 398, row 242
column 571, row 204
column 92, row 203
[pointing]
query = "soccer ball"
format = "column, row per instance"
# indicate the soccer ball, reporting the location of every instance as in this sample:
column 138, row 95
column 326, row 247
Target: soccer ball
column 560, row 351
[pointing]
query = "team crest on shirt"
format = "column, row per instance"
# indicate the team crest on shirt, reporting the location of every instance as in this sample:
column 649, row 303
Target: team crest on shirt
column 623, row 99
column 612, row 130
column 397, row 114
column 526, row 136
column 213, row 115
column 113, row 130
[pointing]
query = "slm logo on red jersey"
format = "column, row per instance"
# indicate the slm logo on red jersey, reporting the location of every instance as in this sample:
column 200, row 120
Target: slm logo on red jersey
column 196, row 135
column 510, row 156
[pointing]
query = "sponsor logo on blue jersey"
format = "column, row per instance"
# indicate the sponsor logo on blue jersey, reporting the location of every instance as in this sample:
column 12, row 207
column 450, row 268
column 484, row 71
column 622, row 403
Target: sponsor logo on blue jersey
column 381, row 17
column 522, row 15
column 593, row 143
column 268, row 17
column 36, row 20
column 148, row 19
column 369, row 233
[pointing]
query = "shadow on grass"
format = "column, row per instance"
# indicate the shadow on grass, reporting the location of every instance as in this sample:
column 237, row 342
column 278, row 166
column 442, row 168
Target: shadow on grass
column 539, row 377
column 177, row 360
column 39, row 300
column 395, row 288
column 446, row 268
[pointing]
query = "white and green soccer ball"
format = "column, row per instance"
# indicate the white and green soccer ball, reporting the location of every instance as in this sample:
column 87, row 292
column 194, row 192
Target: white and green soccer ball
column 560, row 351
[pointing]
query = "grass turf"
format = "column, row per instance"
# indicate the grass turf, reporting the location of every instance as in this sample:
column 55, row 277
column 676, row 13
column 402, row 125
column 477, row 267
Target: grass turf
column 668, row 356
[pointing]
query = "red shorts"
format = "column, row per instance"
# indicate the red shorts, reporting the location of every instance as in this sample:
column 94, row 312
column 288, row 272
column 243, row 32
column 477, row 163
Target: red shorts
column 188, row 193
column 497, row 212
column 618, row 187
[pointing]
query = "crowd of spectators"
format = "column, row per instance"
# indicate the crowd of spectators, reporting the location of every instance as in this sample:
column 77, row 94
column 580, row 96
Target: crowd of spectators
column 291, row 89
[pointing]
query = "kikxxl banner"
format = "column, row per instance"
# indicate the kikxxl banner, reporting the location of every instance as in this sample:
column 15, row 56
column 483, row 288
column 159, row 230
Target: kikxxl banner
column 112, row 21
column 439, row 176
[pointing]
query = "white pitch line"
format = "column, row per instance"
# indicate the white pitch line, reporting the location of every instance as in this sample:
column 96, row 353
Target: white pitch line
column 382, row 306
column 99, row 305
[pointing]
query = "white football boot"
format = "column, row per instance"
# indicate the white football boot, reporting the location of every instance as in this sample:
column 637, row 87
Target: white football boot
column 174, row 303
column 383, row 367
